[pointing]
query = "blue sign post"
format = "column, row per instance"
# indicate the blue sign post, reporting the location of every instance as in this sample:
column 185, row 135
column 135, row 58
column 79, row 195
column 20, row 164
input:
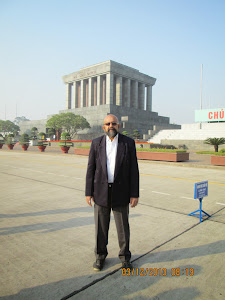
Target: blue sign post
column 201, row 191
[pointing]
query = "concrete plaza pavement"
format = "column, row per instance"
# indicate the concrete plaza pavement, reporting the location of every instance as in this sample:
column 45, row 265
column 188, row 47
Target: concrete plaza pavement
column 47, row 233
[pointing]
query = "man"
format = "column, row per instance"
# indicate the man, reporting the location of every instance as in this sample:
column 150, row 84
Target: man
column 112, row 182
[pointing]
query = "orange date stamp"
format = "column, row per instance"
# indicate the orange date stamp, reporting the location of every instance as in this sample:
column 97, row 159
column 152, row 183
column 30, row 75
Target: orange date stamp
column 158, row 272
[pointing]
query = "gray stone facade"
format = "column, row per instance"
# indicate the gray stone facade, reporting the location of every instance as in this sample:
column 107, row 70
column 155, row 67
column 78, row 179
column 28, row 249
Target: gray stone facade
column 108, row 83
column 113, row 88
column 25, row 126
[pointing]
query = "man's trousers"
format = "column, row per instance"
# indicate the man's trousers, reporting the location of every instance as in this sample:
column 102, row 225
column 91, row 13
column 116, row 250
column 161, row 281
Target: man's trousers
column 102, row 221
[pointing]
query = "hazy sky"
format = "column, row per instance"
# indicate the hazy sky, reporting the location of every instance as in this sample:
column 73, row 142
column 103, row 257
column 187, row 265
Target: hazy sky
column 43, row 40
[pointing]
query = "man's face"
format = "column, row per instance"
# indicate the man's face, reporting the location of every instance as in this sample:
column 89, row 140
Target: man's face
column 111, row 126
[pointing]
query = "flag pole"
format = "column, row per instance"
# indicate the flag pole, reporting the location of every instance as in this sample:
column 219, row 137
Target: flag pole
column 201, row 93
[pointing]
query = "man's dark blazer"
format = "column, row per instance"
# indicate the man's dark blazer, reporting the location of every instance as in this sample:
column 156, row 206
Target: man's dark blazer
column 126, row 175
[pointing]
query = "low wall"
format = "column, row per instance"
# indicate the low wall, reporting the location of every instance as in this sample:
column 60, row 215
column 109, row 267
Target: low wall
column 217, row 160
column 145, row 155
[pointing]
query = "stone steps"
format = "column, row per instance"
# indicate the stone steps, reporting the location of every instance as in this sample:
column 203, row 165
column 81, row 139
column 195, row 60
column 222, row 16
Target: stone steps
column 187, row 134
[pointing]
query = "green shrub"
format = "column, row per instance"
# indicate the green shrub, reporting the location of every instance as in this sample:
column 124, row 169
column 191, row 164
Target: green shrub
column 24, row 139
column 34, row 132
column 65, row 138
column 220, row 153
column 42, row 135
column 10, row 139
column 2, row 140
column 161, row 150
column 84, row 147
column 160, row 146
column 205, row 152
column 42, row 143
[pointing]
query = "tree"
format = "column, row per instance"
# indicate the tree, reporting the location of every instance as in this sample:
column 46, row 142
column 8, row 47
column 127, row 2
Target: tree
column 24, row 139
column 125, row 133
column 10, row 139
column 136, row 134
column 34, row 132
column 42, row 136
column 51, row 132
column 2, row 139
column 215, row 142
column 65, row 137
column 68, row 122
column 17, row 120
column 7, row 127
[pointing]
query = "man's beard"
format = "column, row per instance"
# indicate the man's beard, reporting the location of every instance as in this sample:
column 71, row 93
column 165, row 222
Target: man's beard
column 112, row 132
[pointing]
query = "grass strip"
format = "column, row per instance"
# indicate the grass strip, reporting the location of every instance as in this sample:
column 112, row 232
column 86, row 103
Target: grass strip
column 211, row 152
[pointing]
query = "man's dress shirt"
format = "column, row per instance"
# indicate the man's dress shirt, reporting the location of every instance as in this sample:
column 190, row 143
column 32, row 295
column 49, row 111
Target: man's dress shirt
column 111, row 150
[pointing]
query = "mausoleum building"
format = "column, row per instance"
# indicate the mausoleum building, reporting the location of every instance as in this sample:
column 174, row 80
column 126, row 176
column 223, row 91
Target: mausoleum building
column 108, row 83
column 112, row 88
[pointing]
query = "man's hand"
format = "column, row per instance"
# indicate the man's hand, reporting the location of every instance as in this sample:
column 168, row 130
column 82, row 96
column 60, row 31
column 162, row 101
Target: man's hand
column 133, row 202
column 88, row 200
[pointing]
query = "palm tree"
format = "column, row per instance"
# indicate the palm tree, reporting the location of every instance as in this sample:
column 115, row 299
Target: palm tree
column 215, row 142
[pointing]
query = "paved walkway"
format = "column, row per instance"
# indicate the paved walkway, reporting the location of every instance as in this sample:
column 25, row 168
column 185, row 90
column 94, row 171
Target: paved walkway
column 47, row 232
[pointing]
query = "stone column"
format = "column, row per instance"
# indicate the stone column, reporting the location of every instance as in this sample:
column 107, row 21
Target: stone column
column 119, row 90
column 85, row 93
column 74, row 95
column 78, row 94
column 104, row 90
column 134, row 93
column 95, row 91
column 81, row 93
column 149, row 98
column 68, row 96
column 127, row 93
column 99, row 90
column 141, row 96
column 90, row 92
column 109, row 88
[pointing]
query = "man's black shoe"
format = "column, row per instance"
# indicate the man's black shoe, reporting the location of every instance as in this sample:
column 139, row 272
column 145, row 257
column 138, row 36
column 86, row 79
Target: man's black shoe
column 98, row 265
column 127, row 265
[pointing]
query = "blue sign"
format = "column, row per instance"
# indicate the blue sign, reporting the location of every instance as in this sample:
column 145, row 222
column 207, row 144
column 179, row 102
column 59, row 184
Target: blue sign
column 201, row 189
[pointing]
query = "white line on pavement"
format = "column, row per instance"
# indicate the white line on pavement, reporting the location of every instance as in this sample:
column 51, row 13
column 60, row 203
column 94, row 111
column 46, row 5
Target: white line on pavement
column 66, row 176
column 160, row 193
column 38, row 171
column 187, row 198
column 220, row 203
